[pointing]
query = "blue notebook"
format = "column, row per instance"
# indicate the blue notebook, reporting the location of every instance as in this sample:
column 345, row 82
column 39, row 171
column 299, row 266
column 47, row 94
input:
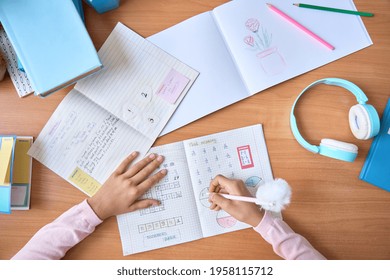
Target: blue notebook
column 79, row 7
column 51, row 42
column 376, row 168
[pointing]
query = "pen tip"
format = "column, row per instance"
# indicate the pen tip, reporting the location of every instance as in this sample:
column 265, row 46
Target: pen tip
column 268, row 4
column 295, row 4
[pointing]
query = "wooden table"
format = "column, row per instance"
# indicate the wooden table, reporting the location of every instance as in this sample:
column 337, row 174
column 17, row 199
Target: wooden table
column 343, row 217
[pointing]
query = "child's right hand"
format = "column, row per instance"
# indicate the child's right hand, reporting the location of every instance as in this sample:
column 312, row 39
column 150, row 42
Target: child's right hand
column 246, row 212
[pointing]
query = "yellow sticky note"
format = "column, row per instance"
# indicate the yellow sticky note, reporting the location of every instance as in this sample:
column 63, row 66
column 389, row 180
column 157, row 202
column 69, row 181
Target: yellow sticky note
column 6, row 146
column 84, row 181
column 22, row 161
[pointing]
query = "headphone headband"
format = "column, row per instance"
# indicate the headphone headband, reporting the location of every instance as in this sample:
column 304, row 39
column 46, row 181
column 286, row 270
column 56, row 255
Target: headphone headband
column 351, row 87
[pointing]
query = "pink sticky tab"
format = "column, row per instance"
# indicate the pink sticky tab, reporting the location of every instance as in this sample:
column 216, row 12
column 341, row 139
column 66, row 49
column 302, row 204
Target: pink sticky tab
column 245, row 156
column 172, row 86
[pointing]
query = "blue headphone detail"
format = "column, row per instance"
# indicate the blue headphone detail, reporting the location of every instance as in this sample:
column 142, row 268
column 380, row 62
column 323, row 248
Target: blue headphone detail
column 363, row 121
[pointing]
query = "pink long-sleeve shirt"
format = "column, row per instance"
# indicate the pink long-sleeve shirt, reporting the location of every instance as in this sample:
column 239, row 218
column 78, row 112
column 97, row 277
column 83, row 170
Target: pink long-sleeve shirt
column 55, row 239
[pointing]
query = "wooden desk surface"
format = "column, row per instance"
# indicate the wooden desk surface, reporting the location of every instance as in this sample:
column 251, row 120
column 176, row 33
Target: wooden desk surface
column 343, row 217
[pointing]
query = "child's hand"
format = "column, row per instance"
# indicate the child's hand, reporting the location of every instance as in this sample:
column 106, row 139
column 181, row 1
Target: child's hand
column 246, row 212
column 120, row 193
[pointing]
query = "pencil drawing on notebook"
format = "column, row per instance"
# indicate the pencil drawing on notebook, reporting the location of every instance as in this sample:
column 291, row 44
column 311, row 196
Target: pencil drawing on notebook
column 260, row 42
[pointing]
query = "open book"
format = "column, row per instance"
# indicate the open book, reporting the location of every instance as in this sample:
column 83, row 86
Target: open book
column 184, row 213
column 122, row 108
column 242, row 47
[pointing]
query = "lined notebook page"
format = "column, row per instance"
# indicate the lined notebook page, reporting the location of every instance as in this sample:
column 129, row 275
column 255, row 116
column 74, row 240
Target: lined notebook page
column 240, row 154
column 81, row 135
column 140, row 83
column 121, row 109
column 174, row 221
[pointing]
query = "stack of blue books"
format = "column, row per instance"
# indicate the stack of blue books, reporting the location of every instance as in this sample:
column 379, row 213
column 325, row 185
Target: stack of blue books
column 51, row 42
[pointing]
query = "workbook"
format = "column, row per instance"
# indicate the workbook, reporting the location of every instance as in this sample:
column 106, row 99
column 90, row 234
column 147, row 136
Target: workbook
column 243, row 47
column 121, row 109
column 184, row 213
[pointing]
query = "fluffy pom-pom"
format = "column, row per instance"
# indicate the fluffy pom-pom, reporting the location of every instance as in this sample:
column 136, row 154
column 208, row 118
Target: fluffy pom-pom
column 274, row 196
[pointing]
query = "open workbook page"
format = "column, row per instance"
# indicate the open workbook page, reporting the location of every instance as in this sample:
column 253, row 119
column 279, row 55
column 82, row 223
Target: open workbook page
column 240, row 154
column 121, row 109
column 175, row 220
column 184, row 213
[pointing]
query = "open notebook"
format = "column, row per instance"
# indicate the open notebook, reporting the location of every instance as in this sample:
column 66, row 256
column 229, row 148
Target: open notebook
column 122, row 108
column 184, row 213
column 242, row 47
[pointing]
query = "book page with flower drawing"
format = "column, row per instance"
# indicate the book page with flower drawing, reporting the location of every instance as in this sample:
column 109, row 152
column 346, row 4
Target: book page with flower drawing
column 268, row 50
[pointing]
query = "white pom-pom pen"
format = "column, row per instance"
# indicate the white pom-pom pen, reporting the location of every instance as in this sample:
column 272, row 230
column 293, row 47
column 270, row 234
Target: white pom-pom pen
column 272, row 196
column 242, row 198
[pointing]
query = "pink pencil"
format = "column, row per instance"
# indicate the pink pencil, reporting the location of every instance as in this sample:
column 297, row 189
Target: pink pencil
column 300, row 26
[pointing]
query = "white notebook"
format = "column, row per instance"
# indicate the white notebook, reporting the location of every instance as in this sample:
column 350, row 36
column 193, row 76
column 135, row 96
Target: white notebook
column 242, row 48
column 184, row 213
column 120, row 109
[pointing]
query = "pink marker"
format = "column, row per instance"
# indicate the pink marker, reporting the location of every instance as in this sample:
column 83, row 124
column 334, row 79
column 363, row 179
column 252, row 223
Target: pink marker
column 300, row 26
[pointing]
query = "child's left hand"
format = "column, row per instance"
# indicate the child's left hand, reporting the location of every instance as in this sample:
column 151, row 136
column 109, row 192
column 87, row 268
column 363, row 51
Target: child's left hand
column 120, row 193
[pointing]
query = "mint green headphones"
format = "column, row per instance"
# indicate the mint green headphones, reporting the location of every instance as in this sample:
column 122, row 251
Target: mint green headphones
column 363, row 121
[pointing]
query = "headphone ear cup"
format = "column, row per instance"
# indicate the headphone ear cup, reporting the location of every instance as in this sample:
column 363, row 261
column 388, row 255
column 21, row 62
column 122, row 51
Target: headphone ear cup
column 338, row 150
column 364, row 121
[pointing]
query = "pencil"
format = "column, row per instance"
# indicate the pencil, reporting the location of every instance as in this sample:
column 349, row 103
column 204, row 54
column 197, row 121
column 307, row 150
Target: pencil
column 300, row 26
column 366, row 14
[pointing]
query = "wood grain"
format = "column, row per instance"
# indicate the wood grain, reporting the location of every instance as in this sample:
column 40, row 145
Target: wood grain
column 343, row 217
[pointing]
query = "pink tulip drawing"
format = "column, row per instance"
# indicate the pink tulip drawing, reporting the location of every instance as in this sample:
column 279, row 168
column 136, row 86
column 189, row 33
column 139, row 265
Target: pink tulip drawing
column 260, row 42
column 249, row 40
column 252, row 24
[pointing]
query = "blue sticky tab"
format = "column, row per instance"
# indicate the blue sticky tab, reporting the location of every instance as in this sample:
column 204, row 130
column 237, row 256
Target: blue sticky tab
column 5, row 199
column 102, row 6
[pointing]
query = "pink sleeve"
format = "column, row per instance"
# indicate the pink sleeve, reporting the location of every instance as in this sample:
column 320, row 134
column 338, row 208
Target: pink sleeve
column 55, row 239
column 285, row 242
